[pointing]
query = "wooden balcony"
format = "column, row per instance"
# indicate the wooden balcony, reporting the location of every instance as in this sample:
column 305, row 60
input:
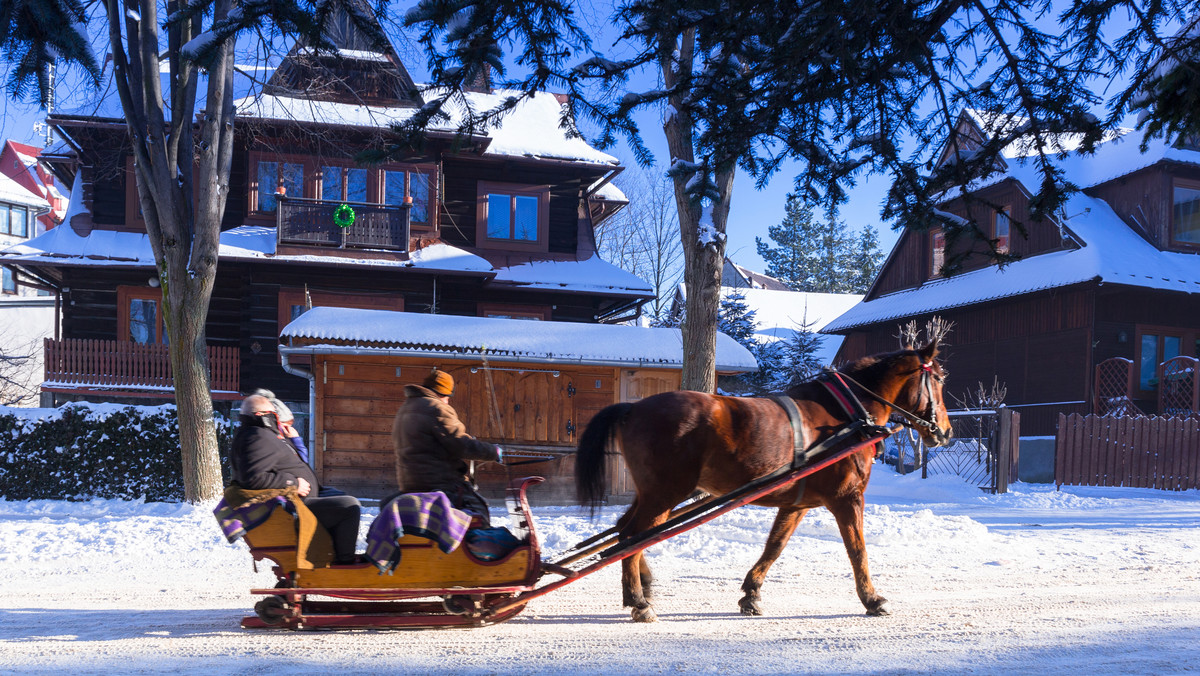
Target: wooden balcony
column 310, row 222
column 129, row 369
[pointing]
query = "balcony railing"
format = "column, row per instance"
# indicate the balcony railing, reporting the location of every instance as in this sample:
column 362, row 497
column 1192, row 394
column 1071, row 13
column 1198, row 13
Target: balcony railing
column 117, row 364
column 310, row 222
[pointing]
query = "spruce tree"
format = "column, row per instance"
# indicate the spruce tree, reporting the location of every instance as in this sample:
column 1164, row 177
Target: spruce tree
column 792, row 257
column 799, row 361
column 736, row 320
column 866, row 260
column 831, row 267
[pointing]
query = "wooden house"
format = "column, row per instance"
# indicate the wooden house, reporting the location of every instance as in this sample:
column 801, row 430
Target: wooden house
column 1103, row 295
column 498, row 224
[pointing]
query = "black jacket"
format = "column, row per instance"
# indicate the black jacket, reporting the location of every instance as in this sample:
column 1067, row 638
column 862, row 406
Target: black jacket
column 260, row 459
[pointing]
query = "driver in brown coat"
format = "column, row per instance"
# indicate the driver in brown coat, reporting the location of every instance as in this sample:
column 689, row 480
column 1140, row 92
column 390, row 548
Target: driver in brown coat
column 433, row 448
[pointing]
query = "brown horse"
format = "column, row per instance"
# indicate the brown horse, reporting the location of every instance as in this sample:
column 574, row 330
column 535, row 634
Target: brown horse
column 677, row 442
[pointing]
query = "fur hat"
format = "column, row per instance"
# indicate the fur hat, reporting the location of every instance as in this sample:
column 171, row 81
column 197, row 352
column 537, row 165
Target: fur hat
column 440, row 382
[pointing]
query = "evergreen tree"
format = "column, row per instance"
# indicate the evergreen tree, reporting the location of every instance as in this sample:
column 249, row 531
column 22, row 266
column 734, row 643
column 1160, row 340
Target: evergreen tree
column 792, row 258
column 799, row 361
column 866, row 261
column 736, row 320
column 831, row 268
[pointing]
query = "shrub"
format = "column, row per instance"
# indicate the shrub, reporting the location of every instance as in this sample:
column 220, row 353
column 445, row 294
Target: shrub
column 80, row 451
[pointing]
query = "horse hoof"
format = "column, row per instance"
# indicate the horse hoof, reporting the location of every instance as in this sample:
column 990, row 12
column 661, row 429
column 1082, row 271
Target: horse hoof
column 750, row 607
column 879, row 608
column 644, row 615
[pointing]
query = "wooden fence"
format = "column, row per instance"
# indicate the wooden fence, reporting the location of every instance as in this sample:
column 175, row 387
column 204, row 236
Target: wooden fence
column 1141, row 452
column 113, row 364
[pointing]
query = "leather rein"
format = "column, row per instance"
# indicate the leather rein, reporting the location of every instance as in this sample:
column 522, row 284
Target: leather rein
column 912, row 419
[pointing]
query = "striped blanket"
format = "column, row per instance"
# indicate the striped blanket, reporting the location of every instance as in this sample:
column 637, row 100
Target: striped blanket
column 235, row 521
column 428, row 515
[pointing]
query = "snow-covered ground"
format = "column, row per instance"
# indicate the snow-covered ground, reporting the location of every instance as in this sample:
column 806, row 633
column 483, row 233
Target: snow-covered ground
column 1085, row 580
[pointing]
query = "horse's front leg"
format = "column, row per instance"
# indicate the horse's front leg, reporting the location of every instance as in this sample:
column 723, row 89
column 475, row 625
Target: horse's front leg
column 848, row 511
column 785, row 524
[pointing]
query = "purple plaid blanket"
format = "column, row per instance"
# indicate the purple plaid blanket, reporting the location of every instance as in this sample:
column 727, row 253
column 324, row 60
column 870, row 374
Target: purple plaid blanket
column 429, row 515
column 236, row 521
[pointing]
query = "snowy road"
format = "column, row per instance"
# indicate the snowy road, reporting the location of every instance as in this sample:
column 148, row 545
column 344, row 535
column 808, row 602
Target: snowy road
column 1095, row 581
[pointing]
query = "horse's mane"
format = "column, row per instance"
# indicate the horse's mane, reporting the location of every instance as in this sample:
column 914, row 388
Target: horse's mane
column 869, row 368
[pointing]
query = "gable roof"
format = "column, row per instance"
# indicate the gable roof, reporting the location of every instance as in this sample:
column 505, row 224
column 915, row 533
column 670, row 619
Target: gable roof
column 1110, row 252
column 455, row 337
column 737, row 276
column 531, row 129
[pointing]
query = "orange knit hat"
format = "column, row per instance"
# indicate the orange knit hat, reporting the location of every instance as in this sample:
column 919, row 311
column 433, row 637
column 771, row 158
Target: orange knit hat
column 440, row 382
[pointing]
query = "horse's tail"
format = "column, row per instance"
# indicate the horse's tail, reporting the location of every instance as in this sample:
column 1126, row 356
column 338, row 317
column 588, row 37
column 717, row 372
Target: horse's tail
column 591, row 481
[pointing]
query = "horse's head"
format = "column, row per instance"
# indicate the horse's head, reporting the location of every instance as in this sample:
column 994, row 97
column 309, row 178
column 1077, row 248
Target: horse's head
column 921, row 394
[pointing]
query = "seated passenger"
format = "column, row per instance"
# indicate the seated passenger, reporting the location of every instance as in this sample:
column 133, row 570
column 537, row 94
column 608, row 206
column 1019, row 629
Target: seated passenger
column 433, row 447
column 260, row 460
column 289, row 433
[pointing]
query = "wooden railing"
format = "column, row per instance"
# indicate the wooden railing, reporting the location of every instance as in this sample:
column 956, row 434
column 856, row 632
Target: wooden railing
column 310, row 222
column 116, row 364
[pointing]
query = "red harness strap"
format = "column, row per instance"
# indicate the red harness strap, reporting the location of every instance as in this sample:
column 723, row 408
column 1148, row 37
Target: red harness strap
column 845, row 398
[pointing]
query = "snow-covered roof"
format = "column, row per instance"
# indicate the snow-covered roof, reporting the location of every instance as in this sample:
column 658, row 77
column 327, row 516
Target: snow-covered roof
column 108, row 247
column 455, row 337
column 1113, row 158
column 531, row 129
column 778, row 315
column 593, row 275
column 12, row 192
column 1111, row 253
column 611, row 193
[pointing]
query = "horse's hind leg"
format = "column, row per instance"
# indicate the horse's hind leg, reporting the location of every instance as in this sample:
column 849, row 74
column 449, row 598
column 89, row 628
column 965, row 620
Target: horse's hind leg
column 849, row 514
column 635, row 572
column 785, row 524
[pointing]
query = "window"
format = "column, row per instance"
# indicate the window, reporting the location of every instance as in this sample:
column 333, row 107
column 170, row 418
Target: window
column 1185, row 217
column 937, row 240
column 503, row 311
column 140, row 315
column 1001, row 229
column 285, row 178
column 345, row 184
column 1156, row 345
column 513, row 216
column 10, row 282
column 400, row 182
column 14, row 220
column 292, row 302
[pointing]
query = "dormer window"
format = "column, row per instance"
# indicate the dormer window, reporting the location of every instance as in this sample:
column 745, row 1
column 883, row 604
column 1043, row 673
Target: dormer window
column 513, row 216
column 1185, row 216
column 1001, row 228
column 937, row 241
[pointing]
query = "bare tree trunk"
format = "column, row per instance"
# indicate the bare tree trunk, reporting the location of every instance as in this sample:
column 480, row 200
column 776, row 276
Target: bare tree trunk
column 175, row 172
column 702, row 232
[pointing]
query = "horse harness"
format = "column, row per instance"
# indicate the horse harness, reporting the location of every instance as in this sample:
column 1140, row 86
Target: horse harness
column 860, row 423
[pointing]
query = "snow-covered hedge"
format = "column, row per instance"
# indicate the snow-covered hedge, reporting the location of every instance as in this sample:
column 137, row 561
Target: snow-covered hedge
column 83, row 451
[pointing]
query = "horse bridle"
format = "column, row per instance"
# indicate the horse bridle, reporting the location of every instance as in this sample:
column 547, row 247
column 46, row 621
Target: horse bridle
column 912, row 419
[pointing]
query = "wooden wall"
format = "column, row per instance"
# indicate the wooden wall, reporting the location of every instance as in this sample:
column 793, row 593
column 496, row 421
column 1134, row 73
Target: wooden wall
column 1145, row 199
column 911, row 263
column 526, row 408
column 1038, row 346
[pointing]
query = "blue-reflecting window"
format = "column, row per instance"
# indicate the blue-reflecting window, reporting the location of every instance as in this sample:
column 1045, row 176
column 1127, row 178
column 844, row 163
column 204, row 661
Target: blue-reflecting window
column 499, row 218
column 513, row 216
column 272, row 176
column 143, row 320
column 9, row 282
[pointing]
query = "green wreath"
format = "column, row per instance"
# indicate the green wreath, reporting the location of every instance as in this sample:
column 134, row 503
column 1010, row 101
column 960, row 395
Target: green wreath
column 343, row 216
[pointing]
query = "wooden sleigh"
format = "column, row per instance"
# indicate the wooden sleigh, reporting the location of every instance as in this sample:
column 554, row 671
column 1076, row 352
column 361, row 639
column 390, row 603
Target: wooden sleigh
column 428, row 588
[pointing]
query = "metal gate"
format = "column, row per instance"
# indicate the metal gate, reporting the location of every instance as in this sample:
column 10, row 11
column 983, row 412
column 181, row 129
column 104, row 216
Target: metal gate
column 983, row 450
